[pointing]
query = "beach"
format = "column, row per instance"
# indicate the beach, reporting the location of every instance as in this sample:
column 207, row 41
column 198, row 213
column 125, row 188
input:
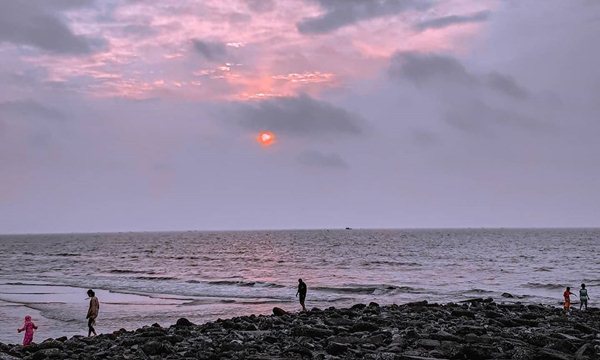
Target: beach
column 145, row 278
column 474, row 329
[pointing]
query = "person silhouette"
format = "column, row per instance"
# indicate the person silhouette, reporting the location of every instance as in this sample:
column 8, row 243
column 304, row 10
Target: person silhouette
column 583, row 297
column 302, row 292
column 92, row 313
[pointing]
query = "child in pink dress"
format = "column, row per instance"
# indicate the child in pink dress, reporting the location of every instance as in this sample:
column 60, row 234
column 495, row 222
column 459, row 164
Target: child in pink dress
column 28, row 327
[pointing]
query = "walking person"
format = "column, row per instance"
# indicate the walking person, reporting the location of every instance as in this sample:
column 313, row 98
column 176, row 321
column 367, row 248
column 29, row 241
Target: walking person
column 583, row 297
column 92, row 313
column 28, row 327
column 302, row 291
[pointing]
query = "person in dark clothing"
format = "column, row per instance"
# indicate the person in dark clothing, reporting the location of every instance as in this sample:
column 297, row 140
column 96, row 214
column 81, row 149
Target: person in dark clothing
column 583, row 297
column 302, row 292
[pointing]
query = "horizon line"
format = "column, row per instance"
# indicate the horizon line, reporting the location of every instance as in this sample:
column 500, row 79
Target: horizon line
column 312, row 229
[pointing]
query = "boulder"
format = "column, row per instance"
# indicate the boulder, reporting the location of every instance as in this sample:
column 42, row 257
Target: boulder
column 183, row 322
column 279, row 311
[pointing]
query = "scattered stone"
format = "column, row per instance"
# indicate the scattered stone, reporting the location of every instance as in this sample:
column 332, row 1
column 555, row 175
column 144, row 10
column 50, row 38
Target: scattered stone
column 473, row 329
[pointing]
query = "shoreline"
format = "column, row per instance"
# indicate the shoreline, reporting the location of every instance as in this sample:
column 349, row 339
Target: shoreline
column 473, row 329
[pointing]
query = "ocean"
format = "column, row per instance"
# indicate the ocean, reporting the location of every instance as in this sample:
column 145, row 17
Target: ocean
column 146, row 278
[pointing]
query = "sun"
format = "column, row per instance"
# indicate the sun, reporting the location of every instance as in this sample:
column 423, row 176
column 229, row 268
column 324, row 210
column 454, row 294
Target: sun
column 265, row 138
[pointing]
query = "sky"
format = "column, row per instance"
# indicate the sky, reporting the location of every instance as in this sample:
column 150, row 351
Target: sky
column 130, row 115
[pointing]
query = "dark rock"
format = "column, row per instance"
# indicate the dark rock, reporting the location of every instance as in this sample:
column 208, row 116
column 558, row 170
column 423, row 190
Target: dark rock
column 373, row 304
column 358, row 306
column 475, row 329
column 377, row 340
column 364, row 326
column 463, row 313
column 338, row 321
column 156, row 348
column 508, row 295
column 301, row 350
column 311, row 332
column 344, row 339
column 444, row 335
column 183, row 322
column 417, row 303
column 429, row 343
column 473, row 352
column 51, row 353
column 336, row 348
column 279, row 311
column 548, row 354
column 5, row 356
column 585, row 328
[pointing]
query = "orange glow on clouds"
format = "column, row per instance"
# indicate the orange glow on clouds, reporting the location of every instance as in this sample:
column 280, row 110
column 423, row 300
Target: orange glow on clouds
column 265, row 138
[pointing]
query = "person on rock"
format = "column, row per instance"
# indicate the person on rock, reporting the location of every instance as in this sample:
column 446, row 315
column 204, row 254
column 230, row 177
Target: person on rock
column 28, row 327
column 583, row 297
column 92, row 313
column 302, row 291
column 567, row 302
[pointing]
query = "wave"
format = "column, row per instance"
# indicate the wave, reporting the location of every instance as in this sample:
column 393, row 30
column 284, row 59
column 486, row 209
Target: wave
column 65, row 254
column 159, row 278
column 241, row 283
column 367, row 289
column 480, row 291
column 255, row 302
column 390, row 263
column 549, row 286
column 121, row 271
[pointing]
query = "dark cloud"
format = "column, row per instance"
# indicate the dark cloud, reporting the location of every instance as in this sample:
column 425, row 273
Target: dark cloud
column 210, row 50
column 340, row 13
column 468, row 101
column 506, row 85
column 261, row 6
column 320, row 159
column 300, row 116
column 40, row 24
column 421, row 68
column 446, row 21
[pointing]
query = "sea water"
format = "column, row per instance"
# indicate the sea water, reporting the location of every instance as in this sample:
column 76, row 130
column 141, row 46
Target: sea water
column 145, row 278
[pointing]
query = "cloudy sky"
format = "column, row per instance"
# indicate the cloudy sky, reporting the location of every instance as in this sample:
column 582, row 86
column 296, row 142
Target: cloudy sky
column 137, row 115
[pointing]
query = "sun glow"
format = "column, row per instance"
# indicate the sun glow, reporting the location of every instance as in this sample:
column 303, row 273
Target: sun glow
column 265, row 138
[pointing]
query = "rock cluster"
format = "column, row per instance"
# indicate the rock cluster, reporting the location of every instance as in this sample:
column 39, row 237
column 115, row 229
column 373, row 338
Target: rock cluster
column 476, row 329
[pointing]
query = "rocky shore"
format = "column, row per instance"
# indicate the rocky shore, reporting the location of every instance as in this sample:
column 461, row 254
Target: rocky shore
column 475, row 329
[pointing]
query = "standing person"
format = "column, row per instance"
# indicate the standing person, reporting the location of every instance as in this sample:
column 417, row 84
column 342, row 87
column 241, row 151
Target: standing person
column 28, row 327
column 567, row 303
column 302, row 292
column 92, row 313
column 583, row 297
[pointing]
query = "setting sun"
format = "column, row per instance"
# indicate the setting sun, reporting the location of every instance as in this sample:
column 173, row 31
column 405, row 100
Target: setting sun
column 265, row 138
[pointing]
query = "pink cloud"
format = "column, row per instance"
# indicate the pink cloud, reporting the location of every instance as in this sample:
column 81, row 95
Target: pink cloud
column 149, row 49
